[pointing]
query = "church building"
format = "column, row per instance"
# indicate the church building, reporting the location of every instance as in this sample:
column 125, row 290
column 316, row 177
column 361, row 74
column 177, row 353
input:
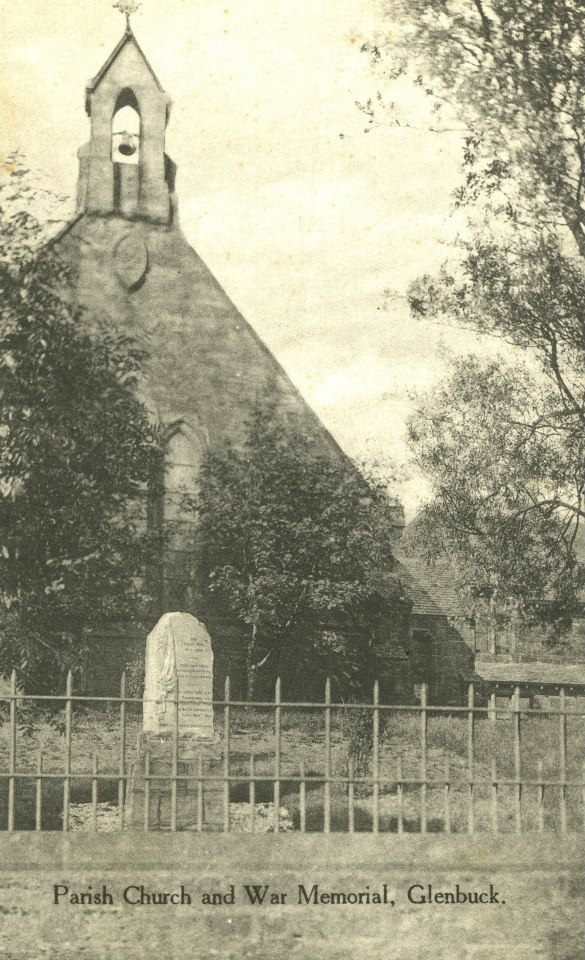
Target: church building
column 135, row 270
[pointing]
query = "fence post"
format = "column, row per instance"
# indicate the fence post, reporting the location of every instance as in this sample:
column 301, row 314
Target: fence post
column 67, row 782
column 199, row 793
column 303, row 798
column 376, row 757
column 563, row 760
column 470, row 757
column 12, row 759
column 327, row 786
column 494, row 795
column 94, row 792
column 492, row 707
column 122, row 769
column 39, row 794
column 517, row 759
column 147, row 791
column 277, row 748
column 540, row 795
column 447, row 788
column 400, row 793
column 226, row 756
column 423, row 757
column 583, row 791
column 252, row 794
column 175, row 760
column 350, row 796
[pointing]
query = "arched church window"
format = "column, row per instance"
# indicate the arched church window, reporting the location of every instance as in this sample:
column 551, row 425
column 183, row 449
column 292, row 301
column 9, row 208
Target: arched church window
column 171, row 519
column 183, row 456
column 126, row 129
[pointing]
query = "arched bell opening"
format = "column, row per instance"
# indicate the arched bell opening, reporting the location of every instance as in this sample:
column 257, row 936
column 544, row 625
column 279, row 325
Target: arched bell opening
column 126, row 127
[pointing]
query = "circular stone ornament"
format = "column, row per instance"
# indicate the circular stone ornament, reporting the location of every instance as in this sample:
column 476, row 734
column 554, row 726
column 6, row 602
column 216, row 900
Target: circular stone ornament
column 131, row 261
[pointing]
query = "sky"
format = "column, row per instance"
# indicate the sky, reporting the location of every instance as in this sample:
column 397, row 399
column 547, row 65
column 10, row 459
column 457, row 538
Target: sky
column 312, row 225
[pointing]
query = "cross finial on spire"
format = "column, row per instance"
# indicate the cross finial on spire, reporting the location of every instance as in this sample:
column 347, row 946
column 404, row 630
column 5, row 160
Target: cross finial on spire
column 127, row 7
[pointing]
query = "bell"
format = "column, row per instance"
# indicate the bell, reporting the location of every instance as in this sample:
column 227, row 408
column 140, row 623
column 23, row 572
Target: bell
column 127, row 144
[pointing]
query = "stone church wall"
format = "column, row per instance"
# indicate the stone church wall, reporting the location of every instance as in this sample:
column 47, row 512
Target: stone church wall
column 449, row 662
column 206, row 367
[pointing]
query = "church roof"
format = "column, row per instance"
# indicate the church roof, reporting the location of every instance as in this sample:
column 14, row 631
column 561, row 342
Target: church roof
column 127, row 37
column 430, row 587
column 567, row 674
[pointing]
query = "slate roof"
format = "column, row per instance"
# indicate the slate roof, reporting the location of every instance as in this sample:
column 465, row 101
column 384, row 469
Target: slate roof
column 431, row 587
column 533, row 672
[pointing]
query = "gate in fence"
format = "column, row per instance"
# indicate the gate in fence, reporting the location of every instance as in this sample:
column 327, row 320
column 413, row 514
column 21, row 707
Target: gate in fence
column 72, row 762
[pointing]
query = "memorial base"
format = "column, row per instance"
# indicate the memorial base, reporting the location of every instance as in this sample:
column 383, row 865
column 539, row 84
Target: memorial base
column 200, row 801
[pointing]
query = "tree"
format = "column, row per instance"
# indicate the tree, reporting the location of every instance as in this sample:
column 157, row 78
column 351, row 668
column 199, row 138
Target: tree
column 507, row 480
column 529, row 293
column 297, row 546
column 76, row 450
column 512, row 72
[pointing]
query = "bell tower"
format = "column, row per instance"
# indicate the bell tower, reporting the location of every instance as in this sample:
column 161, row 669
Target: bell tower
column 124, row 170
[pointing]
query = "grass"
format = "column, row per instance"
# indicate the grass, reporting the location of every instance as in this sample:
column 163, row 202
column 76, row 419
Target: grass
column 98, row 734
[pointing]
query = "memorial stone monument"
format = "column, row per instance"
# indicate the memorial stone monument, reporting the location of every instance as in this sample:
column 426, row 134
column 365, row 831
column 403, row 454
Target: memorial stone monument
column 179, row 670
column 177, row 727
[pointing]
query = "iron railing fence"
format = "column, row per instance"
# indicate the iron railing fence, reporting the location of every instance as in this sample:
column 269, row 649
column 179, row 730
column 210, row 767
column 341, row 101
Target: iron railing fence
column 418, row 767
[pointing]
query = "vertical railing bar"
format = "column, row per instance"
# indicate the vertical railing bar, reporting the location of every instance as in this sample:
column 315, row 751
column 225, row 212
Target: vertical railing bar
column 175, row 758
column 67, row 780
column 147, row 791
column 226, row 756
column 495, row 825
column 122, row 766
column 199, row 793
column 517, row 761
column 423, row 757
column 12, row 758
column 563, row 760
column 277, row 752
column 327, row 785
column 400, row 793
column 252, row 794
column 39, row 793
column 492, row 707
column 376, row 756
column 350, row 796
column 94, row 793
column 540, row 795
column 303, row 798
column 470, row 758
column 583, row 791
column 447, row 788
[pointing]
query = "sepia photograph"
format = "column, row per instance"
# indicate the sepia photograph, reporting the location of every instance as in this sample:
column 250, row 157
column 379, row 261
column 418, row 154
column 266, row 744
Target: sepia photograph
column 292, row 480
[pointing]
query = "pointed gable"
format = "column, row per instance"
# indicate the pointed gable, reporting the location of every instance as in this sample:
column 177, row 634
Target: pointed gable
column 126, row 49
